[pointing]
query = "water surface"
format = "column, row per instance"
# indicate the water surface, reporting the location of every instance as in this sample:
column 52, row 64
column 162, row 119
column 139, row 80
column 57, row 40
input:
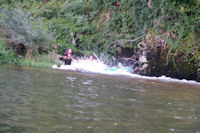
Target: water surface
column 53, row 101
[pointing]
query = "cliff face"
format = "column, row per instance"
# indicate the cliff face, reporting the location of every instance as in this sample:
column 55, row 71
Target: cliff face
column 155, row 57
column 157, row 62
column 159, row 65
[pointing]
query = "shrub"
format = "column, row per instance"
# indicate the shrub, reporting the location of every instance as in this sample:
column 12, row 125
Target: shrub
column 20, row 28
column 7, row 55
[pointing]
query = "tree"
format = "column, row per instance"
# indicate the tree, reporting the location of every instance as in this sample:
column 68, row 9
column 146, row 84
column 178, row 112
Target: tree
column 21, row 29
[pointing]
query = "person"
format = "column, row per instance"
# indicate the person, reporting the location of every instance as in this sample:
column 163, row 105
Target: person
column 68, row 56
column 91, row 58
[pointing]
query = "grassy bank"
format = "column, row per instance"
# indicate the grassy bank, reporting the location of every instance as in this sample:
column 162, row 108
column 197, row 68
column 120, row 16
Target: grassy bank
column 9, row 56
column 41, row 62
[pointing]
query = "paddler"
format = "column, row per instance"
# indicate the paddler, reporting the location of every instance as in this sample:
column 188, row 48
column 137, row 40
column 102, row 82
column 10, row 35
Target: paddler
column 91, row 58
column 68, row 56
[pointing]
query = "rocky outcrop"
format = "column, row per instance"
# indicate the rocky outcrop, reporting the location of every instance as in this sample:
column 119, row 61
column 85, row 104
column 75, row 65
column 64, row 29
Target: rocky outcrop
column 160, row 65
column 151, row 58
column 55, row 58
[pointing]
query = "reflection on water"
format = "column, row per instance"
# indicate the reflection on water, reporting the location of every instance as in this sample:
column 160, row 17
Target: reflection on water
column 45, row 101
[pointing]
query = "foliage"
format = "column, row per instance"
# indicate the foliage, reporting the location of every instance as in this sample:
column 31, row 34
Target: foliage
column 21, row 29
column 42, row 62
column 99, row 24
column 7, row 55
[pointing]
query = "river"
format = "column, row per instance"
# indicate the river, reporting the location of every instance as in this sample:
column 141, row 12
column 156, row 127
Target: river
column 36, row 100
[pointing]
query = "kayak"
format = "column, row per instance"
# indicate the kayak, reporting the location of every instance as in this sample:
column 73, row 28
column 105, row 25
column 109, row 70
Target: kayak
column 118, row 69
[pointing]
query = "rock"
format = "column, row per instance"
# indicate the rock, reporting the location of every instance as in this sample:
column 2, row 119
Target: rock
column 55, row 57
column 145, row 66
column 159, row 64
column 143, row 59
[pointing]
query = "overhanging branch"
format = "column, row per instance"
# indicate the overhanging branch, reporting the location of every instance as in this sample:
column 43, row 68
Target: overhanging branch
column 121, row 42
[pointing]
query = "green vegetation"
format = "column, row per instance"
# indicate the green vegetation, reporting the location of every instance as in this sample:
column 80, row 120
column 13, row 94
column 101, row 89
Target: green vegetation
column 7, row 55
column 42, row 62
column 25, row 38
column 104, row 25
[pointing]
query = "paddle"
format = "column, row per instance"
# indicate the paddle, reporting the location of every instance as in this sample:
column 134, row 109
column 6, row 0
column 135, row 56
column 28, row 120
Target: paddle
column 96, row 56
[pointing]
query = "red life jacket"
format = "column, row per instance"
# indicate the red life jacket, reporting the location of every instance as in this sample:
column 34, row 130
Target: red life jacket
column 69, row 55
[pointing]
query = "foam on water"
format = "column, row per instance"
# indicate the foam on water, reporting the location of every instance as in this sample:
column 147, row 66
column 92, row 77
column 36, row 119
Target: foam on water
column 100, row 67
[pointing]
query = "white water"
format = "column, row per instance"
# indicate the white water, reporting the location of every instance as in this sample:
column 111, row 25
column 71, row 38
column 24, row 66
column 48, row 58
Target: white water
column 100, row 67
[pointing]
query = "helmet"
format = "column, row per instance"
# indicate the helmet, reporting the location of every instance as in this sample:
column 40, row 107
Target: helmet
column 69, row 50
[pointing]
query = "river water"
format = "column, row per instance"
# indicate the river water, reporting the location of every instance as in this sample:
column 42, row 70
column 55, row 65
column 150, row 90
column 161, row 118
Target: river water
column 53, row 101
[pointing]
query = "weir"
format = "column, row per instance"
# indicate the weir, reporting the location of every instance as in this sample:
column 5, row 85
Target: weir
column 85, row 65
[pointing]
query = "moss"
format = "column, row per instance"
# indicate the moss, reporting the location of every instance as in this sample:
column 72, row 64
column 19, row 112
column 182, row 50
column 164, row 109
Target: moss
column 162, row 64
column 186, row 70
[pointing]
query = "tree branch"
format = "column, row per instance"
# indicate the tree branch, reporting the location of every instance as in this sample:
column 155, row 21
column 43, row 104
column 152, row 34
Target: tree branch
column 121, row 42
column 126, row 59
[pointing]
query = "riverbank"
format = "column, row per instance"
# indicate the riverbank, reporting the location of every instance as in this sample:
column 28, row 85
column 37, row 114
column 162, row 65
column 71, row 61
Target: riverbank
column 159, row 61
column 155, row 38
column 99, row 68
column 46, row 61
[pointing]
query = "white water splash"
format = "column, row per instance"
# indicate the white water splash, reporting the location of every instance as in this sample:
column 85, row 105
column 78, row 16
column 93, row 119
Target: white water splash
column 100, row 67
